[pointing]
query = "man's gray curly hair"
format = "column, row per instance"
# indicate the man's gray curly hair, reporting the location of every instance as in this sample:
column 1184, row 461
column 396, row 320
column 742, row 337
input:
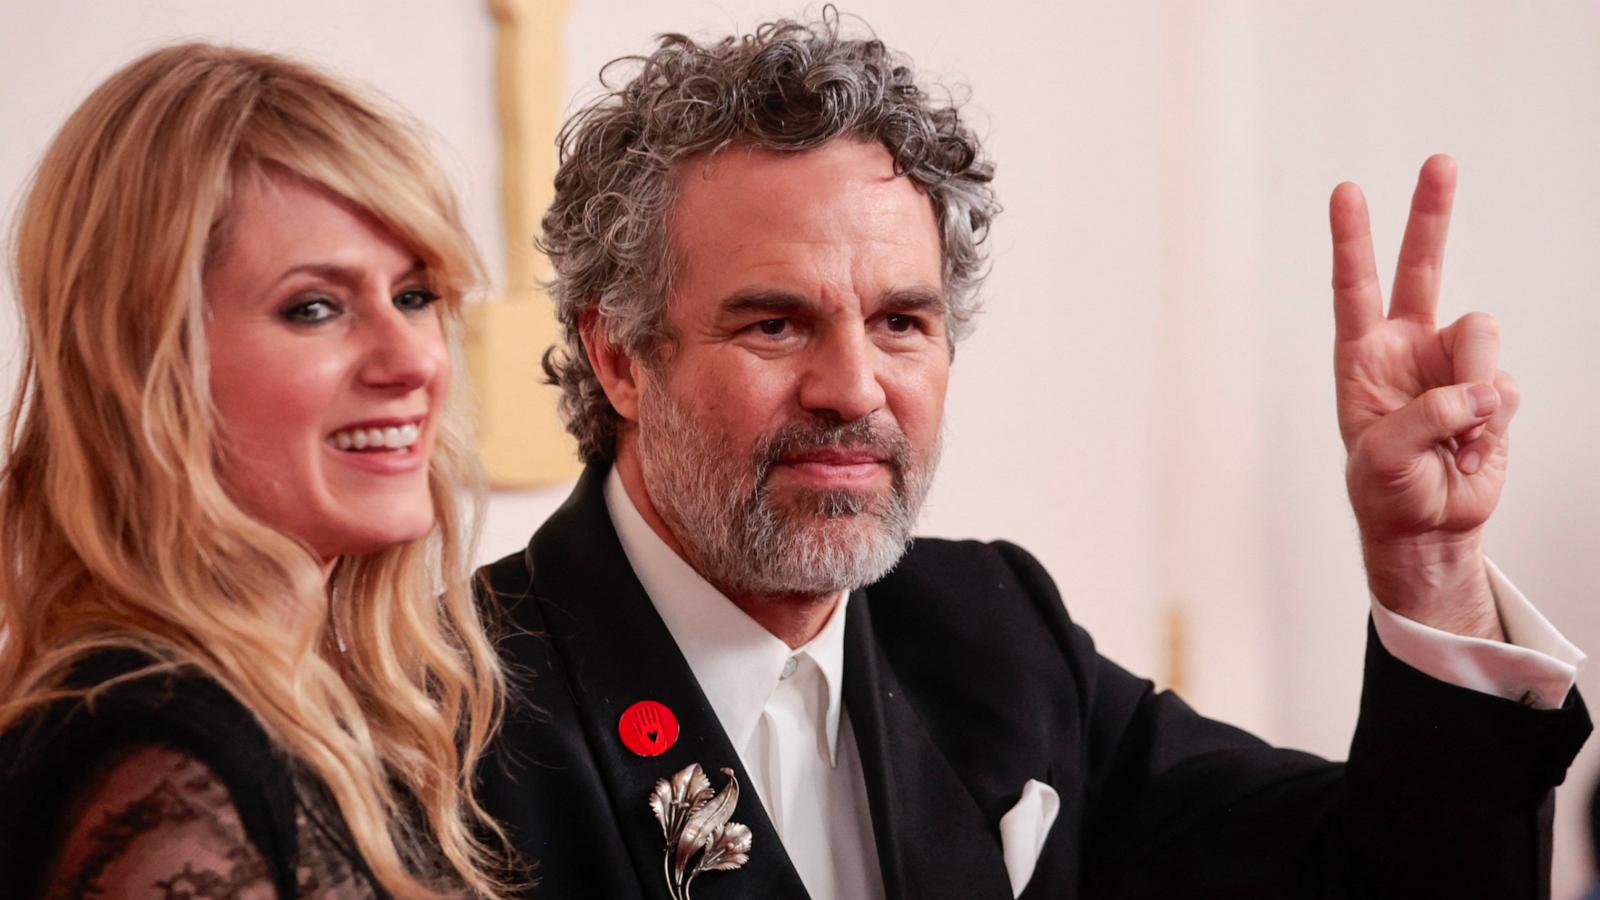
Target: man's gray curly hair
column 790, row 86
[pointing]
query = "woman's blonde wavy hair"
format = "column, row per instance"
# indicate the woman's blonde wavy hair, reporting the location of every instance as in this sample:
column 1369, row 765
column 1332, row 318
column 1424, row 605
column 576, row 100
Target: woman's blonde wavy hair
column 115, row 529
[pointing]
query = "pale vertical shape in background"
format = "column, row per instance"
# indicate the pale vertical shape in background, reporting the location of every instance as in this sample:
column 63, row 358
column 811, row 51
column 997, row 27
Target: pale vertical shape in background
column 1211, row 414
column 519, row 432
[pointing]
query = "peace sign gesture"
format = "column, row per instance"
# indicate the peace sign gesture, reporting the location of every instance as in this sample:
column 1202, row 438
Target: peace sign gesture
column 1423, row 411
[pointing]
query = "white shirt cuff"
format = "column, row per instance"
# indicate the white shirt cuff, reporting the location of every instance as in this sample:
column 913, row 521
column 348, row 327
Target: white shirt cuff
column 1536, row 666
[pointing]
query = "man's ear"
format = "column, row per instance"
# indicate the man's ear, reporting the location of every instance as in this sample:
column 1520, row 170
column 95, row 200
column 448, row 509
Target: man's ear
column 617, row 371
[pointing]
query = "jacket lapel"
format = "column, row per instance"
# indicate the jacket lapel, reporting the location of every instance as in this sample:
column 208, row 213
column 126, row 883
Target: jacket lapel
column 616, row 652
column 933, row 840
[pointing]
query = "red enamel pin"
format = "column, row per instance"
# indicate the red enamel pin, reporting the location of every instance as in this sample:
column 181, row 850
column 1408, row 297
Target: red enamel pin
column 648, row 728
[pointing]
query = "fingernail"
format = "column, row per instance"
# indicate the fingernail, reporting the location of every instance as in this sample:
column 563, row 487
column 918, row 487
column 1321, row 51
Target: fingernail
column 1469, row 462
column 1484, row 399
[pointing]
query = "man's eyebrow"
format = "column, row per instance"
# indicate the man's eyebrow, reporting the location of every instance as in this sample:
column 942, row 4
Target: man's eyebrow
column 763, row 300
column 913, row 299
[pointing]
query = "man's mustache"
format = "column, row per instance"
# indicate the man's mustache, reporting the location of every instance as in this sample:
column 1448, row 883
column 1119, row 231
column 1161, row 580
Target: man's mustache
column 885, row 442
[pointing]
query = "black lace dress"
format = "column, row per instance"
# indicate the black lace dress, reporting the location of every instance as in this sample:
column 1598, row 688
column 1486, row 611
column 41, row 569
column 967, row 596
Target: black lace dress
column 209, row 806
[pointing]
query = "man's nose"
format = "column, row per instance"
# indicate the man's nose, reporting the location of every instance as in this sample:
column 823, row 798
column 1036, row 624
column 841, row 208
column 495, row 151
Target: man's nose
column 402, row 351
column 843, row 378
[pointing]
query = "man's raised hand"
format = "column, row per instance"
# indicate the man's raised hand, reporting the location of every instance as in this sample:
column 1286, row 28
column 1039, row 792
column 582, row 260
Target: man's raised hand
column 1423, row 411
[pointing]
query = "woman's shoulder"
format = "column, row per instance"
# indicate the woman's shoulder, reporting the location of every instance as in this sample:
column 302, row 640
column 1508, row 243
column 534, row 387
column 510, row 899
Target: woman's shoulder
column 155, row 821
column 120, row 698
column 155, row 757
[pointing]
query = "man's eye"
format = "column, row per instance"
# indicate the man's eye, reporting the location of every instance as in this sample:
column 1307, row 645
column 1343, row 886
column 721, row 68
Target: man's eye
column 900, row 324
column 415, row 299
column 773, row 327
column 313, row 311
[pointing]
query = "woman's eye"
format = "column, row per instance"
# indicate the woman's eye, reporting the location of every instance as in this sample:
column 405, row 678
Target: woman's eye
column 415, row 299
column 311, row 312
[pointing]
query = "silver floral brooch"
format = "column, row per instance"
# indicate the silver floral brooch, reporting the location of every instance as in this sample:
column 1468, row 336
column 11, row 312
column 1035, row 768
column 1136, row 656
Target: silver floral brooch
column 694, row 821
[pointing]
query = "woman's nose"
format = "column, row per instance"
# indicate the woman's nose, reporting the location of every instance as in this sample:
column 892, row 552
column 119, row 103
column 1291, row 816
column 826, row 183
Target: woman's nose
column 405, row 351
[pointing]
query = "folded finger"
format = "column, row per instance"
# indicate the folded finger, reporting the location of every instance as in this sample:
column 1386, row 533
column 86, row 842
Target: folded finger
column 1472, row 343
column 1433, row 418
column 1471, row 453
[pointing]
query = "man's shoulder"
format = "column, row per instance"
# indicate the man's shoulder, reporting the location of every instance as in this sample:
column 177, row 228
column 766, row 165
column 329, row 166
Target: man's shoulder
column 506, row 600
column 924, row 547
column 973, row 592
column 508, row 575
column 969, row 568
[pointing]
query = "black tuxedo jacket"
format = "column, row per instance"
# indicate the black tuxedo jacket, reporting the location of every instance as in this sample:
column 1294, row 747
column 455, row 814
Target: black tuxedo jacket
column 965, row 678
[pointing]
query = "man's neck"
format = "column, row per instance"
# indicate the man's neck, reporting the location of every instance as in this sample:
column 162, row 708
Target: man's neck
column 792, row 618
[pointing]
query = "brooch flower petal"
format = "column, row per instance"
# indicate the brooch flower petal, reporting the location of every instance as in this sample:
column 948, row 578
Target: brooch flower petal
column 695, row 823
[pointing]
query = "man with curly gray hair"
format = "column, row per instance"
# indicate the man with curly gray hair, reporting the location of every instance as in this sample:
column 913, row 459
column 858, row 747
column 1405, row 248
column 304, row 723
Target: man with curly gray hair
column 766, row 248
column 787, row 89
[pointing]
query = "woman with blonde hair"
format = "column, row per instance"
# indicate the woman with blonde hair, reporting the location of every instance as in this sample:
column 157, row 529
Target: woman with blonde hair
column 238, row 653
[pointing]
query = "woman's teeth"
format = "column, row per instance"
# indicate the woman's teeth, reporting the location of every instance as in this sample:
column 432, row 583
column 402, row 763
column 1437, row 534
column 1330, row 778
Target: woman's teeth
column 395, row 437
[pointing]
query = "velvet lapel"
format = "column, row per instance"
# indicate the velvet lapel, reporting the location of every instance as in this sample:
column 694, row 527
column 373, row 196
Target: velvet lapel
column 616, row 651
column 933, row 840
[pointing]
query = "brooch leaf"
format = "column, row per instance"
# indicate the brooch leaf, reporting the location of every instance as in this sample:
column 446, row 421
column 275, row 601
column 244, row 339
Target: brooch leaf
column 695, row 823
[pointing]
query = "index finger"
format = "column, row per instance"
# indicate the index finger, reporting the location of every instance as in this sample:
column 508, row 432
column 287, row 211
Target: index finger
column 1357, row 296
column 1419, row 272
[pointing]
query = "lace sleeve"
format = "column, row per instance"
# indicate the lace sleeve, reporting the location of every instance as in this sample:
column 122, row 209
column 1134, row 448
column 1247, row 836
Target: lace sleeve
column 157, row 824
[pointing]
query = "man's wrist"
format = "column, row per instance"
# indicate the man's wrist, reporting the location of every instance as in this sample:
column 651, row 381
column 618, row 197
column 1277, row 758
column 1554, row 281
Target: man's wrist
column 1443, row 584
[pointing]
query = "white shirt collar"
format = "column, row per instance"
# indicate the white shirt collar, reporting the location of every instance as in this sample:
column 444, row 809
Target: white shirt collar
column 737, row 662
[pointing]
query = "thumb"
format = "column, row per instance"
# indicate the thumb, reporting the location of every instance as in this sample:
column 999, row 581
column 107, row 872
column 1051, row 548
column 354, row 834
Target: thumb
column 1434, row 417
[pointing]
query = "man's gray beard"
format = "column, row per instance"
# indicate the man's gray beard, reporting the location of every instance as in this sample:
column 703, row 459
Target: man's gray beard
column 744, row 541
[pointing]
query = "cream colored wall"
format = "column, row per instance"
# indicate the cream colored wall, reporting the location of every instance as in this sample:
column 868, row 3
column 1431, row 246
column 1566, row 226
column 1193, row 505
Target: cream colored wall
column 1147, row 403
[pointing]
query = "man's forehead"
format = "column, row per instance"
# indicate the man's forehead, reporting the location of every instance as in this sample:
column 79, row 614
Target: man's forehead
column 743, row 178
column 740, row 154
column 747, row 206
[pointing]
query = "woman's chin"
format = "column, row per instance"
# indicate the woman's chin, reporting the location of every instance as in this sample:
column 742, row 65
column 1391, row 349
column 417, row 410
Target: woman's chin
column 372, row 533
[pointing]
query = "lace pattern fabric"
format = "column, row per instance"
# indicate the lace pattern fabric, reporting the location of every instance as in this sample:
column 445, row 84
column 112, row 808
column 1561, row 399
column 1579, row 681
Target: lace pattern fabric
column 158, row 823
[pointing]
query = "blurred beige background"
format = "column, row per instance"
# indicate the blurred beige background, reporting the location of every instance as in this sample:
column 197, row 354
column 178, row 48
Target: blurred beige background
column 1147, row 403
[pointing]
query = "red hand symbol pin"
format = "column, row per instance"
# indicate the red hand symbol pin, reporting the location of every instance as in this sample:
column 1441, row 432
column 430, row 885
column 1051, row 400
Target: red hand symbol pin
column 648, row 728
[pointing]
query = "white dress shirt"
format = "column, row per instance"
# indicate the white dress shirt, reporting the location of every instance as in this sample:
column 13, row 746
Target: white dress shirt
column 782, row 708
column 1535, row 666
